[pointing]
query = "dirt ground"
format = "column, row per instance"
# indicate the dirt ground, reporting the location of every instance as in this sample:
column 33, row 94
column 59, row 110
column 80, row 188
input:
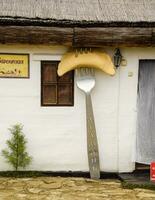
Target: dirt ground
column 58, row 188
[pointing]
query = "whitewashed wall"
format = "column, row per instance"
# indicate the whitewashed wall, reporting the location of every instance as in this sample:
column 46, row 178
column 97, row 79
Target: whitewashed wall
column 57, row 135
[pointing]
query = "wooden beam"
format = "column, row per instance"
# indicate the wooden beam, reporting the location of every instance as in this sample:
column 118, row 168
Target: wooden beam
column 113, row 36
column 78, row 37
column 36, row 35
column 153, row 37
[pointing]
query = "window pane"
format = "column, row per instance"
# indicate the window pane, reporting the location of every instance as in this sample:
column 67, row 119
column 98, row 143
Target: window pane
column 49, row 94
column 56, row 90
column 65, row 94
column 49, row 73
column 66, row 77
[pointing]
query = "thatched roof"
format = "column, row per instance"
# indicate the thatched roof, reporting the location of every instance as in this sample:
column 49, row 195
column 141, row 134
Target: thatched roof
column 78, row 11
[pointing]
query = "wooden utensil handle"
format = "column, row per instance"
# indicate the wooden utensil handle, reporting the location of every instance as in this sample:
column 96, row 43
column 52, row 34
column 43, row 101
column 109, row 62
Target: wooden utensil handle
column 92, row 144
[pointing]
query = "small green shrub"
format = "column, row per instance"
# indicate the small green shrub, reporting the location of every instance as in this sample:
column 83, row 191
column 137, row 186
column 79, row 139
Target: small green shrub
column 16, row 153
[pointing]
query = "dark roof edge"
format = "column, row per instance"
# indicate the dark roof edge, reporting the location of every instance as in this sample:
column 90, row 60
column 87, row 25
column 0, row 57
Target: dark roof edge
column 18, row 21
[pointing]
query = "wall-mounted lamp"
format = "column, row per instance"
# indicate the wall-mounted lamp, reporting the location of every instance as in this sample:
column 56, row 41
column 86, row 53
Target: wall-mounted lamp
column 117, row 58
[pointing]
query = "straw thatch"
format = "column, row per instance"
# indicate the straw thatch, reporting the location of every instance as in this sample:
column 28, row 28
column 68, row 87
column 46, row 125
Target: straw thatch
column 94, row 11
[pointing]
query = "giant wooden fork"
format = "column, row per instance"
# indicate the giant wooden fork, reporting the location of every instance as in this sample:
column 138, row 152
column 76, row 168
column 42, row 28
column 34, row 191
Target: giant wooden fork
column 86, row 82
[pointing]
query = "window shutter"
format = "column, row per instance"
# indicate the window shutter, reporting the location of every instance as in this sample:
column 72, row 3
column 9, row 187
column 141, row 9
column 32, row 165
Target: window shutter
column 56, row 90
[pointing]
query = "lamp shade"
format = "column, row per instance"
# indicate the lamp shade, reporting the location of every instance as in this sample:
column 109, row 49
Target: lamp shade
column 117, row 58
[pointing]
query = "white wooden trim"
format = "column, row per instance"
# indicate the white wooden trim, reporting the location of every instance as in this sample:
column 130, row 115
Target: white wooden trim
column 39, row 57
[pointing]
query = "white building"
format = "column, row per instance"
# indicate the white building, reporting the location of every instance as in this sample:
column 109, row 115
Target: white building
column 56, row 135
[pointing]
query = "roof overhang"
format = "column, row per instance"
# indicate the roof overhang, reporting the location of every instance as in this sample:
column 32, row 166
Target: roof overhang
column 78, row 36
column 20, row 21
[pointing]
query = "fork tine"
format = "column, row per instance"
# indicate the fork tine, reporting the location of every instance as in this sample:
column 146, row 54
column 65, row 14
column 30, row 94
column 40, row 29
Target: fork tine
column 83, row 71
column 77, row 72
column 86, row 70
column 89, row 70
column 92, row 72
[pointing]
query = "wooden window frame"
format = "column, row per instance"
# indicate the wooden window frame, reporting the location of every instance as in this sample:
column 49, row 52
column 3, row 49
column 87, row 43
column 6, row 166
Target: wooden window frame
column 55, row 105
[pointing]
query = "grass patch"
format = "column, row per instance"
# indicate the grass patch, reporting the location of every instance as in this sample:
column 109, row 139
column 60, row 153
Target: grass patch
column 131, row 186
column 22, row 174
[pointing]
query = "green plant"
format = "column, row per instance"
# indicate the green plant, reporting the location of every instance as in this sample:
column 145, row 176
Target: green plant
column 16, row 153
